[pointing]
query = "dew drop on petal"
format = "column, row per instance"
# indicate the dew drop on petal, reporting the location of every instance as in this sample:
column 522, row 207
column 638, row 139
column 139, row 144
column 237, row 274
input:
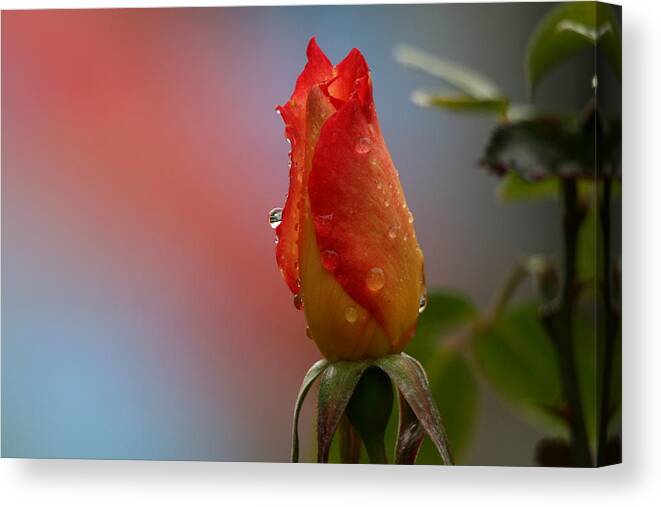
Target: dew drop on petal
column 351, row 314
column 410, row 217
column 386, row 204
column 406, row 237
column 275, row 217
column 422, row 304
column 375, row 279
column 379, row 186
column 364, row 145
column 329, row 259
column 392, row 232
column 298, row 301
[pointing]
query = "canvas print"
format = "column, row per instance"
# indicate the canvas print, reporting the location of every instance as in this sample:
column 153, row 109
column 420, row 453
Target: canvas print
column 384, row 234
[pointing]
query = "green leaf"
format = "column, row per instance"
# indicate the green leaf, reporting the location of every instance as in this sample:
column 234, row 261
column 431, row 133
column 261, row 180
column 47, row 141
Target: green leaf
column 308, row 380
column 464, row 79
column 542, row 148
column 513, row 188
column 336, row 386
column 411, row 380
column 452, row 382
column 455, row 393
column 460, row 103
column 476, row 92
column 517, row 358
column 568, row 29
column 445, row 311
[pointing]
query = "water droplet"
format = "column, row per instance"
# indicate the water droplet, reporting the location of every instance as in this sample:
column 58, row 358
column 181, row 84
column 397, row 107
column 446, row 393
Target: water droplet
column 422, row 303
column 379, row 186
column 298, row 301
column 374, row 162
column 386, row 204
column 406, row 237
column 364, row 145
column 275, row 217
column 351, row 314
column 375, row 279
column 330, row 259
column 410, row 217
column 277, row 240
column 323, row 224
column 392, row 232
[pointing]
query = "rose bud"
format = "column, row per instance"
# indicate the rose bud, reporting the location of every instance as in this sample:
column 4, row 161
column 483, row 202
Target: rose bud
column 346, row 245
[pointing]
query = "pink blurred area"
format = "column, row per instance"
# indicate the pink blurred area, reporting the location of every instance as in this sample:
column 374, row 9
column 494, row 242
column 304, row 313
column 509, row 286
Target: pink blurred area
column 131, row 164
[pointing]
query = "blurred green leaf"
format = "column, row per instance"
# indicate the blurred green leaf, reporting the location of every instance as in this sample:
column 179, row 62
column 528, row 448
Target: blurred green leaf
column 452, row 382
column 445, row 311
column 541, row 148
column 513, row 188
column 477, row 92
column 462, row 78
column 568, row 29
column 455, row 392
column 459, row 103
column 517, row 358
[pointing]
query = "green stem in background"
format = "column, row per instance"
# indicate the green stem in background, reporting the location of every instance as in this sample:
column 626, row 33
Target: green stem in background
column 572, row 218
column 609, row 321
column 369, row 411
column 502, row 298
column 561, row 325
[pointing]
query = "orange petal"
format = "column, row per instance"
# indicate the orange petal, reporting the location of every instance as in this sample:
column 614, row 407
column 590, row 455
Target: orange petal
column 359, row 212
column 318, row 69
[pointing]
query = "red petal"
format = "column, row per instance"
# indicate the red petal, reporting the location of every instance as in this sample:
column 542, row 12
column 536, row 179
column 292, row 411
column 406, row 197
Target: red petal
column 348, row 72
column 354, row 181
column 318, row 69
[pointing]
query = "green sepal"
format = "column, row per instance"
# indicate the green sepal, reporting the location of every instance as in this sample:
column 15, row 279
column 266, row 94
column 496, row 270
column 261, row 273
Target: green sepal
column 411, row 380
column 310, row 377
column 337, row 384
column 410, row 435
column 350, row 444
column 369, row 411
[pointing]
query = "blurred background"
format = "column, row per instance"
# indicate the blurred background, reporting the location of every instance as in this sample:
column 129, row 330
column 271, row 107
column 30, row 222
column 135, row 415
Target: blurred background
column 143, row 315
